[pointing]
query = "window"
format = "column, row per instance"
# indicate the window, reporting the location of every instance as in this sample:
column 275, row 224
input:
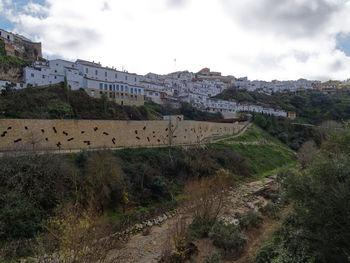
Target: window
column 121, row 87
column 135, row 98
column 126, row 96
column 126, row 88
column 101, row 86
column 32, row 75
column 110, row 95
column 43, row 76
column 106, row 87
column 86, row 70
column 93, row 93
column 96, row 72
column 55, row 77
column 156, row 93
column 126, row 77
column 117, row 87
column 116, row 75
column 106, row 74
column 122, row 96
column 113, row 87
column 139, row 91
column 135, row 79
column 110, row 87
column 131, row 90
column 101, row 93
column 150, row 93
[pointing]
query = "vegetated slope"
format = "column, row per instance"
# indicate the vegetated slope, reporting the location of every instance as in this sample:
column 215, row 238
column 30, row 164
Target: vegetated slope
column 136, row 183
column 311, row 106
column 317, row 228
column 56, row 102
column 11, row 69
column 262, row 151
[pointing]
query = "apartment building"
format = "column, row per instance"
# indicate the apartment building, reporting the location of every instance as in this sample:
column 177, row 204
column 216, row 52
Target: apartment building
column 121, row 87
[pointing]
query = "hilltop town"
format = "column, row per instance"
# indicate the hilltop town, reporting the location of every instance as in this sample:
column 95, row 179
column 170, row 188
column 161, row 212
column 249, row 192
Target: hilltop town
column 198, row 89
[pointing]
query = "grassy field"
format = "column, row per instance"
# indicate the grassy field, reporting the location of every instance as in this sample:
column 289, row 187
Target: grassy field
column 267, row 155
column 263, row 158
column 254, row 134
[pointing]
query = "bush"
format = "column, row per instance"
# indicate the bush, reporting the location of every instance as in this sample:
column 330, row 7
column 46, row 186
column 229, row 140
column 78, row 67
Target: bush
column 213, row 257
column 270, row 209
column 19, row 218
column 228, row 237
column 31, row 186
column 103, row 183
column 251, row 218
column 200, row 227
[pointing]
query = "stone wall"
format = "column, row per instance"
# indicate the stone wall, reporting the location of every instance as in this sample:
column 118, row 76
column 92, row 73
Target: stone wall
column 22, row 134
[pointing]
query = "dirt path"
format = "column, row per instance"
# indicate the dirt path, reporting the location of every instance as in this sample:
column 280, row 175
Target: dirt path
column 233, row 136
column 148, row 248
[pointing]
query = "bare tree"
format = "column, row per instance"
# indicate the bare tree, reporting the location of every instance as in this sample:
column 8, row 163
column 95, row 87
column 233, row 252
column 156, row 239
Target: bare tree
column 307, row 153
column 206, row 195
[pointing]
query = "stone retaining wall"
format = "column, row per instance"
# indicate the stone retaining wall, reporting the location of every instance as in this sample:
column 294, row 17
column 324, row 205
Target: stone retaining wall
column 25, row 134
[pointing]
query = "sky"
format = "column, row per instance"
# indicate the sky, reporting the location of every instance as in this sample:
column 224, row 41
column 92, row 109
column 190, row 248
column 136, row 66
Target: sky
column 260, row 39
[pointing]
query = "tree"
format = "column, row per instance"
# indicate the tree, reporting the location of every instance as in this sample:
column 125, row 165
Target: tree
column 206, row 196
column 307, row 153
column 103, row 183
column 104, row 102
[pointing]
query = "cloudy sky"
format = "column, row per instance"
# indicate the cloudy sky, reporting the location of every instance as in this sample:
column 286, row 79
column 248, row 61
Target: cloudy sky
column 261, row 39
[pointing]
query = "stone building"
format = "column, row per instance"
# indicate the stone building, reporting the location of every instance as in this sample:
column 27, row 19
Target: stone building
column 20, row 47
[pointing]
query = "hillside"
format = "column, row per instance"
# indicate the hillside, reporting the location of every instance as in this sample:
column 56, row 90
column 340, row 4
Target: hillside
column 136, row 185
column 55, row 102
column 311, row 106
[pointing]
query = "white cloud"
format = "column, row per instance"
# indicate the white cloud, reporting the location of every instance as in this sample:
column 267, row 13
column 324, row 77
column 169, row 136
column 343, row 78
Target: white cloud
column 265, row 39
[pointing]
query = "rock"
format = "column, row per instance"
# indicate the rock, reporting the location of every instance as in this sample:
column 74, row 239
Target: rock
column 250, row 205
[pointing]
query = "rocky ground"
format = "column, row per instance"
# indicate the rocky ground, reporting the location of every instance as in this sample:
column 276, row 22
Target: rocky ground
column 148, row 243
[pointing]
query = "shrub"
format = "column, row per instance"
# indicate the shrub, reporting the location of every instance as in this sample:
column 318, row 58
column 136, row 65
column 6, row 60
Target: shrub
column 103, row 183
column 77, row 234
column 31, row 186
column 251, row 218
column 228, row 237
column 19, row 218
column 271, row 210
column 200, row 227
column 213, row 257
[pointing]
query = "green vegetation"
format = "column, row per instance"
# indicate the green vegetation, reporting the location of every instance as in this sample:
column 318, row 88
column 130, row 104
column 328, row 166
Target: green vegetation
column 311, row 106
column 128, row 186
column 53, row 103
column 262, row 158
column 59, row 102
column 281, row 128
column 189, row 112
column 228, row 237
column 255, row 134
column 9, row 60
column 317, row 229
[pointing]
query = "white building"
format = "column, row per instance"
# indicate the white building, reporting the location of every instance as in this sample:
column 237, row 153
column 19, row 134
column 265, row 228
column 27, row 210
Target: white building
column 122, row 87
